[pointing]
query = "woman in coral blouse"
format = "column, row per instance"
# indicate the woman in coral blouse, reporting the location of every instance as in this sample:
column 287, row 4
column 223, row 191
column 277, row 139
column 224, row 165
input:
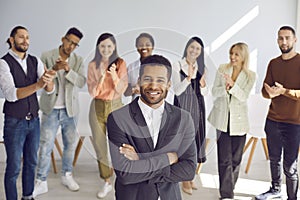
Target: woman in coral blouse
column 107, row 81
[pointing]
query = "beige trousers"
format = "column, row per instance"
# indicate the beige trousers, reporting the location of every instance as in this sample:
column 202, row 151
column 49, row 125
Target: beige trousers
column 99, row 111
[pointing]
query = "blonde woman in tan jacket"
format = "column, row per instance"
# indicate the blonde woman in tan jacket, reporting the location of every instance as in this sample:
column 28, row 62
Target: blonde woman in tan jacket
column 229, row 115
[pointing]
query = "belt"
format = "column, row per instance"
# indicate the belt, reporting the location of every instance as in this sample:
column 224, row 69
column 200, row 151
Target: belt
column 29, row 116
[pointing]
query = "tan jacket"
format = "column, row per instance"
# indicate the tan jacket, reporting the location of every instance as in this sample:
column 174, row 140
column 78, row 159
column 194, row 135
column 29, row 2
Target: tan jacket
column 236, row 105
column 75, row 79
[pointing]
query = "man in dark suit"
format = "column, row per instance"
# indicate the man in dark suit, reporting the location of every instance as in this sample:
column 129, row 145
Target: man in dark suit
column 151, row 142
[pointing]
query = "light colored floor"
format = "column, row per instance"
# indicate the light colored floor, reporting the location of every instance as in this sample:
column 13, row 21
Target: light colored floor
column 86, row 174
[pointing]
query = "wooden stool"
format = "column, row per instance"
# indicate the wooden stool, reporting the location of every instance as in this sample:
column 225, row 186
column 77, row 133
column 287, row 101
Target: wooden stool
column 254, row 140
column 200, row 164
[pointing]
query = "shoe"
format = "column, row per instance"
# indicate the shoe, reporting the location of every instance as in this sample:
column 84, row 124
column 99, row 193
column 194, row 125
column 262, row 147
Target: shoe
column 105, row 190
column 193, row 185
column 27, row 199
column 40, row 187
column 187, row 188
column 68, row 181
column 189, row 191
column 272, row 193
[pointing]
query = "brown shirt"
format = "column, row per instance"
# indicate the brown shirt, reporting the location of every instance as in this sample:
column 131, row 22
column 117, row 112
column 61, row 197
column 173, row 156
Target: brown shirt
column 286, row 107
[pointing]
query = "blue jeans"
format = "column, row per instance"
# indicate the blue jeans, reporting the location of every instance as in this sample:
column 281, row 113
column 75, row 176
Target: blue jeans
column 49, row 126
column 20, row 137
column 286, row 137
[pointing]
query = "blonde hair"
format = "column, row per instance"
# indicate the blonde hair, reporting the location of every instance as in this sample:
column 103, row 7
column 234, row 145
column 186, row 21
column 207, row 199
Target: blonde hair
column 244, row 53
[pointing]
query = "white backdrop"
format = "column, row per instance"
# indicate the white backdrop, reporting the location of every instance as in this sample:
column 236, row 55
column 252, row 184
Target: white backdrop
column 172, row 22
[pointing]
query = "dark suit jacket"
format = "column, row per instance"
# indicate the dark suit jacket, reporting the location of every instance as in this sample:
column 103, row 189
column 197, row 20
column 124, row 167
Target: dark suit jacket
column 151, row 176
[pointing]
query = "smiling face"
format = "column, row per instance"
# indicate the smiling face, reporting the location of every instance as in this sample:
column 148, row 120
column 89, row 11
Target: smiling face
column 106, row 48
column 286, row 41
column 193, row 51
column 20, row 42
column 235, row 57
column 154, row 85
column 144, row 47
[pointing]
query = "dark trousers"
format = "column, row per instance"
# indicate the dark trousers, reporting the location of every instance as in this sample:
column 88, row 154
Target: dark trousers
column 283, row 137
column 230, row 151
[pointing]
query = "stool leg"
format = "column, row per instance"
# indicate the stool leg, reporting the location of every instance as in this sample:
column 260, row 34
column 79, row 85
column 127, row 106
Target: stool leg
column 53, row 163
column 248, row 144
column 200, row 164
column 265, row 146
column 78, row 148
column 251, row 154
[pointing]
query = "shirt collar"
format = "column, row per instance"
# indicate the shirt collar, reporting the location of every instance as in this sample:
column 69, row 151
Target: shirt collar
column 13, row 54
column 147, row 109
column 185, row 67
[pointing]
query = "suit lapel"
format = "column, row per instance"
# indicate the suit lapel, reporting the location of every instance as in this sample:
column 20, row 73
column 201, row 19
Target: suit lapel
column 241, row 77
column 71, row 61
column 164, row 126
column 141, row 122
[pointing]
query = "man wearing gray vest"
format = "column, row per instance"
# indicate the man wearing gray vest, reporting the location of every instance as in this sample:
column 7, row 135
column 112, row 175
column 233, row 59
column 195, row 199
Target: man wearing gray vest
column 21, row 75
column 60, row 108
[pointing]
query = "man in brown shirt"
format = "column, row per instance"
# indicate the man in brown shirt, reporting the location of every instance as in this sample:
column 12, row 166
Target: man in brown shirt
column 282, row 86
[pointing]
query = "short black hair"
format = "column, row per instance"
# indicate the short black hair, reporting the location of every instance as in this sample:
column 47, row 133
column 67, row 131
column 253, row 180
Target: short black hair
column 74, row 31
column 155, row 60
column 13, row 33
column 146, row 35
column 288, row 28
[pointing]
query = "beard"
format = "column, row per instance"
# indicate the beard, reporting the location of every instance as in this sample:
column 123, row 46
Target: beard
column 152, row 101
column 66, row 52
column 286, row 50
column 19, row 48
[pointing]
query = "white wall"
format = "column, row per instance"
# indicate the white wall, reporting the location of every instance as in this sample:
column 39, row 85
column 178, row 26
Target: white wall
column 219, row 23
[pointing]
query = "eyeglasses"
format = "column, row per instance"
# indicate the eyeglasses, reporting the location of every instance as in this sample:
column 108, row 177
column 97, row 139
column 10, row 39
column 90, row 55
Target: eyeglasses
column 71, row 42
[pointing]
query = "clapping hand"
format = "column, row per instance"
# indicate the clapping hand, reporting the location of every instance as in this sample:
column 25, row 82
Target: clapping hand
column 228, row 81
column 275, row 90
column 202, row 80
column 113, row 71
column 61, row 65
column 48, row 76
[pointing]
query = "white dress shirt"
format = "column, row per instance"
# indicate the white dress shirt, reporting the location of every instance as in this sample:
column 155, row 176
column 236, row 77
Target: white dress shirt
column 180, row 86
column 153, row 118
column 133, row 72
column 7, row 84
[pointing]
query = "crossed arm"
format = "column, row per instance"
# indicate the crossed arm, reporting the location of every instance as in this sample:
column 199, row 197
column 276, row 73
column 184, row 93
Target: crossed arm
column 158, row 166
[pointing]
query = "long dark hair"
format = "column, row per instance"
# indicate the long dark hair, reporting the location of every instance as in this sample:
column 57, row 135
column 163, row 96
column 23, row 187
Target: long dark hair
column 200, row 59
column 114, row 58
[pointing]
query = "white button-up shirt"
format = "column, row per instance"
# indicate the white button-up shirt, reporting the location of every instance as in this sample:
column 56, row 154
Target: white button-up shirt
column 180, row 86
column 7, row 84
column 153, row 118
